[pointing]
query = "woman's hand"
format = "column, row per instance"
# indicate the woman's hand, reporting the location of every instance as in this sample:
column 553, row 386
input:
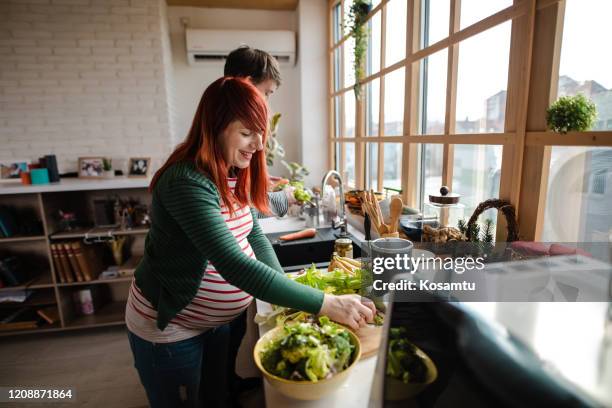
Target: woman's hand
column 289, row 191
column 353, row 311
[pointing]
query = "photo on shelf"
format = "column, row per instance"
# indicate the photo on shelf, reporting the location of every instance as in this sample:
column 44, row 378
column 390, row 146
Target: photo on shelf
column 11, row 169
column 91, row 167
column 139, row 166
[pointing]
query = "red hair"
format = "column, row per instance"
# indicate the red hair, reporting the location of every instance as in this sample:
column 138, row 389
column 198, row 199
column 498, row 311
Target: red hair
column 226, row 100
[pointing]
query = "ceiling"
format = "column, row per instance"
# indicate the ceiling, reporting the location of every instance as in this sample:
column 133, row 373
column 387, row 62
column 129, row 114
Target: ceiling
column 238, row 4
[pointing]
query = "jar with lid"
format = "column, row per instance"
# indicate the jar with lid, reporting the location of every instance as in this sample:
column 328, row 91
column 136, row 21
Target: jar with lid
column 344, row 247
column 444, row 207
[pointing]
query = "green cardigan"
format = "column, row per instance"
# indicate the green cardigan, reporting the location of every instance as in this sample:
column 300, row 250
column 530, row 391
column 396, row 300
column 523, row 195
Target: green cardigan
column 187, row 231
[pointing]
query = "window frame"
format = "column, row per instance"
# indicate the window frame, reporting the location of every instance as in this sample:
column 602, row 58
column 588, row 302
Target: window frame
column 526, row 143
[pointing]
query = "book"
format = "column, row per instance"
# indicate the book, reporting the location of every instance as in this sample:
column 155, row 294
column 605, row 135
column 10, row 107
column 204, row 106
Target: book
column 65, row 263
column 76, row 269
column 57, row 264
column 88, row 260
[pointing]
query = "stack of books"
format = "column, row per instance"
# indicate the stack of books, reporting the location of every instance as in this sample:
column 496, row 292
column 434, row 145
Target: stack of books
column 76, row 262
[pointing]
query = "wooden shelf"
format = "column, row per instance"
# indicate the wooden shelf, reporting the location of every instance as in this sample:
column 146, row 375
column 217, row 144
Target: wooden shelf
column 38, row 298
column 73, row 195
column 23, row 239
column 47, row 328
column 97, row 281
column 43, row 280
column 97, row 232
column 111, row 314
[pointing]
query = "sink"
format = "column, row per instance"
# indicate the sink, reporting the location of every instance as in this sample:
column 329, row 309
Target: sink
column 318, row 249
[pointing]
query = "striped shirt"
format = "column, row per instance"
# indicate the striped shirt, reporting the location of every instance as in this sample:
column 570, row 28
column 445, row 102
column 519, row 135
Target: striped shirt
column 217, row 302
column 279, row 204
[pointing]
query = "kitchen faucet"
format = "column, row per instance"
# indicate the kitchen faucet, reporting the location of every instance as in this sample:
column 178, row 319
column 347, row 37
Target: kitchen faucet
column 342, row 215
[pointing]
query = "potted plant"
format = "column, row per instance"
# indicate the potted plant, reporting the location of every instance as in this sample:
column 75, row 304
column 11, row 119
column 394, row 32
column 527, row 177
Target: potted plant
column 273, row 148
column 107, row 167
column 571, row 113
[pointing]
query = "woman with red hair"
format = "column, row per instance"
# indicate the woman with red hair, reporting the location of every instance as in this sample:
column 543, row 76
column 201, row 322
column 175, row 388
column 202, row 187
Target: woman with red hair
column 205, row 255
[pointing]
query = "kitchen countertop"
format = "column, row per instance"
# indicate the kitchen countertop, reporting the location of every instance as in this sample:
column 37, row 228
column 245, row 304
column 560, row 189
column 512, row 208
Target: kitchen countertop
column 354, row 393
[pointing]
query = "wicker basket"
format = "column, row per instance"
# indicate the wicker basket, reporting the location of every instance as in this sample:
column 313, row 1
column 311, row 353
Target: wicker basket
column 505, row 207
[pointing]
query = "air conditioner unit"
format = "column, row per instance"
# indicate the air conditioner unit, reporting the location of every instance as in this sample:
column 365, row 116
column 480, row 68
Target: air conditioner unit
column 213, row 46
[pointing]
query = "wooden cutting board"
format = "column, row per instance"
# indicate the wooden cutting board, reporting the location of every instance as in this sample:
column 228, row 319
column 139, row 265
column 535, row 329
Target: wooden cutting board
column 370, row 337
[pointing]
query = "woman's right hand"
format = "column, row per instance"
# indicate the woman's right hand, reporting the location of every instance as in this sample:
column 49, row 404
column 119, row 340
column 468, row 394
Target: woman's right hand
column 353, row 311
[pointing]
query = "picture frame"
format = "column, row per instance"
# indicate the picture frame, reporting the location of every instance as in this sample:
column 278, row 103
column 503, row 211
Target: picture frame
column 91, row 167
column 11, row 169
column 139, row 166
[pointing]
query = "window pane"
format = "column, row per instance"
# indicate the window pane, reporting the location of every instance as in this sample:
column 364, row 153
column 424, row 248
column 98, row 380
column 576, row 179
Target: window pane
column 345, row 22
column 373, row 60
column 336, row 23
column 435, row 15
column 337, row 116
column 431, row 169
column 372, row 166
column 482, row 80
column 349, row 163
column 394, row 102
column 584, row 68
column 337, row 148
column 349, row 57
column 476, row 174
column 579, row 198
column 473, row 11
column 393, row 166
column 337, row 71
column 395, row 48
column 433, row 93
column 372, row 101
column 349, row 114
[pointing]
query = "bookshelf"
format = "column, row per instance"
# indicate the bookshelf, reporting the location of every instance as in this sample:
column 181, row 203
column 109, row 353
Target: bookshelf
column 74, row 195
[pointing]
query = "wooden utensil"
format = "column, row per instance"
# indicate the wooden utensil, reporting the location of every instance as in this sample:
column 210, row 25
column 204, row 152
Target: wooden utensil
column 395, row 209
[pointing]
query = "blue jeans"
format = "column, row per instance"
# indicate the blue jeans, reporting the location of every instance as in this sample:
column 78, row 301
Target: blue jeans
column 171, row 372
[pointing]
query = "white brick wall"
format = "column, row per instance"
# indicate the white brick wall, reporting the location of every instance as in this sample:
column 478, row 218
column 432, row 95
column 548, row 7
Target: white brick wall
column 84, row 78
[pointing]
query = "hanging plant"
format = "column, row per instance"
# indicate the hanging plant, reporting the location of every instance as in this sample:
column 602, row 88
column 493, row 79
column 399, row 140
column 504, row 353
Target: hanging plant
column 571, row 113
column 358, row 30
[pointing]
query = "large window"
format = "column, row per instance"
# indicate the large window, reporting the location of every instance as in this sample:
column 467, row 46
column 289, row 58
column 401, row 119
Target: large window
column 444, row 102
column 579, row 197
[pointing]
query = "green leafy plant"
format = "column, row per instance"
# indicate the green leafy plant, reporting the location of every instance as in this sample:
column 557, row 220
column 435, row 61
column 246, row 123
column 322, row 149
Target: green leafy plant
column 297, row 172
column 273, row 147
column 571, row 113
column 357, row 29
column 107, row 164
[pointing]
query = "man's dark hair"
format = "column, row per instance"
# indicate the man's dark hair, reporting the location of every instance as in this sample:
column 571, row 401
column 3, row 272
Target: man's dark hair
column 250, row 62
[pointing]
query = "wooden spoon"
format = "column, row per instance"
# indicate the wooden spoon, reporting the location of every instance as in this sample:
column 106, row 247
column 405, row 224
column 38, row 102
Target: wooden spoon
column 395, row 209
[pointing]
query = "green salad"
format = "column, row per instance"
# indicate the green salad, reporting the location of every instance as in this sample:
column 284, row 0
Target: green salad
column 402, row 361
column 336, row 282
column 309, row 351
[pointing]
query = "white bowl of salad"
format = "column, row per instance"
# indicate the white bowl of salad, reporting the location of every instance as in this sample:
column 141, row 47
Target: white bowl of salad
column 307, row 360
